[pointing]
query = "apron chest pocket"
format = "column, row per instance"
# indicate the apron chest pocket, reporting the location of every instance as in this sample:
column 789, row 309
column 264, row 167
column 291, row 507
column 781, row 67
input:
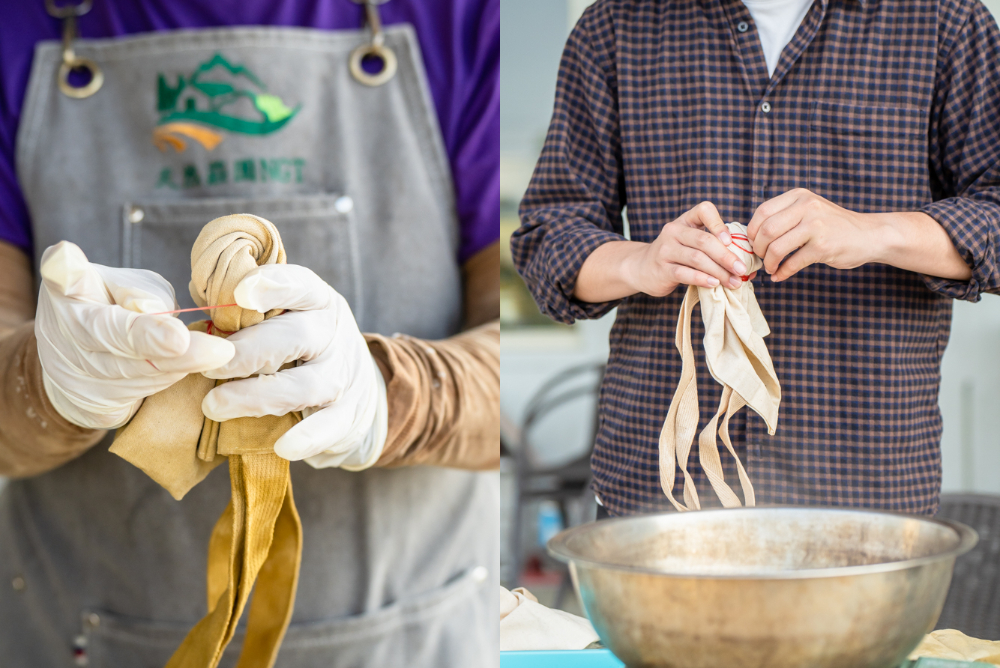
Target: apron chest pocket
column 318, row 231
column 429, row 630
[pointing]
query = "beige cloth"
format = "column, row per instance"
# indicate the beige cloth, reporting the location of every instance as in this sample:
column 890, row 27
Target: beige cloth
column 258, row 539
column 955, row 645
column 526, row 624
column 738, row 359
column 227, row 249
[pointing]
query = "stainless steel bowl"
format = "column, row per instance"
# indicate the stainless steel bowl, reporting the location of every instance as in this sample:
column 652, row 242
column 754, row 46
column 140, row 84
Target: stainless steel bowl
column 763, row 587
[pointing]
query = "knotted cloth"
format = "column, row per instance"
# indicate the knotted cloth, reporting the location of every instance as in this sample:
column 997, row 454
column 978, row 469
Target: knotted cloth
column 259, row 535
column 738, row 359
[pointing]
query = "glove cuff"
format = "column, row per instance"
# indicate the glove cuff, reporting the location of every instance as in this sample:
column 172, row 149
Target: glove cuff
column 374, row 443
column 366, row 450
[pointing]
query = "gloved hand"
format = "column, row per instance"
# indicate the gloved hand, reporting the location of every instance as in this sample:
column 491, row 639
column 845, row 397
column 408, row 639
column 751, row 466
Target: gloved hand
column 336, row 383
column 100, row 356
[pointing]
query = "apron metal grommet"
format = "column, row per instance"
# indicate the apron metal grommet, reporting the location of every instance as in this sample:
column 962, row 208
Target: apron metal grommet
column 70, row 61
column 79, row 93
column 17, row 584
column 67, row 10
column 383, row 53
column 136, row 214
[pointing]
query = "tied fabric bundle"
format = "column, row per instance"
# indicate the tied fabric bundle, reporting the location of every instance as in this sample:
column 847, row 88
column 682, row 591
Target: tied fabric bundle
column 259, row 535
column 738, row 359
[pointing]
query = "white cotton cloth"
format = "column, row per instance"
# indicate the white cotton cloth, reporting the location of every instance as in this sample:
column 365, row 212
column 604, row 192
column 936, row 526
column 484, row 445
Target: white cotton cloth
column 738, row 359
column 776, row 21
column 526, row 624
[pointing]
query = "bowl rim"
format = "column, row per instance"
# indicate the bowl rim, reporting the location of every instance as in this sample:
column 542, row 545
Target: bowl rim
column 558, row 547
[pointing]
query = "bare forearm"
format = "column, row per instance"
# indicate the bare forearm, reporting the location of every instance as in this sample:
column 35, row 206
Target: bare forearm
column 481, row 287
column 608, row 274
column 690, row 250
column 916, row 242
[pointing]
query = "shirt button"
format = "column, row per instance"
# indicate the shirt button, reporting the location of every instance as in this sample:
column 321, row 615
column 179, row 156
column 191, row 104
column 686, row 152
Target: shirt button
column 742, row 26
column 766, row 107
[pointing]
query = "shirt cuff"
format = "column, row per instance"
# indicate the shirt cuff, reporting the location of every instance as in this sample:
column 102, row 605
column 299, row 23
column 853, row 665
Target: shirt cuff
column 971, row 227
column 565, row 256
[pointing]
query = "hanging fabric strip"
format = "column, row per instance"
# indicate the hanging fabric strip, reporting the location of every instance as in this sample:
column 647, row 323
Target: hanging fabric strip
column 738, row 359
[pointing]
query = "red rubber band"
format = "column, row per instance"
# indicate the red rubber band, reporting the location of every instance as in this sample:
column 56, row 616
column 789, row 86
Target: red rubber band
column 741, row 237
column 196, row 308
column 212, row 329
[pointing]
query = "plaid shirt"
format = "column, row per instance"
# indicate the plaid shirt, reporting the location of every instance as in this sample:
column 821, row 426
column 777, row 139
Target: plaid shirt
column 877, row 105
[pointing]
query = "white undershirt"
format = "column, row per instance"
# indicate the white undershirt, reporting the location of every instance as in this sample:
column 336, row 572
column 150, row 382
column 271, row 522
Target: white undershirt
column 777, row 21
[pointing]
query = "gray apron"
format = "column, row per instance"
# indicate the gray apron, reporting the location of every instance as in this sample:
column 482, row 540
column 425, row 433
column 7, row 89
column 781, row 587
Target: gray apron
column 398, row 566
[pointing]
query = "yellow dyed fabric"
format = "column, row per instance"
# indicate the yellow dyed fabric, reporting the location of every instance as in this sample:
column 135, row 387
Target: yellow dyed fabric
column 259, row 536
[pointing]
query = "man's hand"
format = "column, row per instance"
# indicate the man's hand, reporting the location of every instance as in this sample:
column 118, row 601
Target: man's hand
column 336, row 383
column 101, row 348
column 800, row 228
column 688, row 251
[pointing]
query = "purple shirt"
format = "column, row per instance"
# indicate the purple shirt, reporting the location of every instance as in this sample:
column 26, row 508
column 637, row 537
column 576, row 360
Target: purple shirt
column 460, row 41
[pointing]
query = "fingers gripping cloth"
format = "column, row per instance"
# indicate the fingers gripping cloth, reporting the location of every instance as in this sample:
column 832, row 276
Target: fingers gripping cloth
column 738, row 359
column 259, row 536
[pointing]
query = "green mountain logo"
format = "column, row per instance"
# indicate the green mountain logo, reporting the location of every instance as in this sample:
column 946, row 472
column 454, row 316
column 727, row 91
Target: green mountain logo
column 217, row 94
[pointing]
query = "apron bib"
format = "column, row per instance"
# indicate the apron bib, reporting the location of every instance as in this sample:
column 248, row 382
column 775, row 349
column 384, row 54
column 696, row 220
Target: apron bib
column 397, row 565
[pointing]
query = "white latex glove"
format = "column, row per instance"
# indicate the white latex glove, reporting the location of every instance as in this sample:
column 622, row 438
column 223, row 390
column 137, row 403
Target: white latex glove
column 100, row 356
column 336, row 384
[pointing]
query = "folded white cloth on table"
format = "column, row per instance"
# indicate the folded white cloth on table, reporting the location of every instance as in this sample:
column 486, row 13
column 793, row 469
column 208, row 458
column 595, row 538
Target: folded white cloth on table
column 526, row 624
column 955, row 645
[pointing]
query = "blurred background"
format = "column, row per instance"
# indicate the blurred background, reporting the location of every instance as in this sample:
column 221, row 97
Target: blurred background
column 550, row 371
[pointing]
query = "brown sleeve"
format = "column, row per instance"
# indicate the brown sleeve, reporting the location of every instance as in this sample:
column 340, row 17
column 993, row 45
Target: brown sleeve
column 34, row 438
column 17, row 289
column 444, row 396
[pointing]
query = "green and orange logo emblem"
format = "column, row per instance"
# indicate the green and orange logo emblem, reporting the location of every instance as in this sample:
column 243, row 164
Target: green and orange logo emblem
column 216, row 97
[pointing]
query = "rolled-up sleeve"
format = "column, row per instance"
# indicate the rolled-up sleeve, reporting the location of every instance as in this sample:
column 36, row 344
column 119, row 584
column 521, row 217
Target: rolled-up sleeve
column 576, row 195
column 965, row 153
